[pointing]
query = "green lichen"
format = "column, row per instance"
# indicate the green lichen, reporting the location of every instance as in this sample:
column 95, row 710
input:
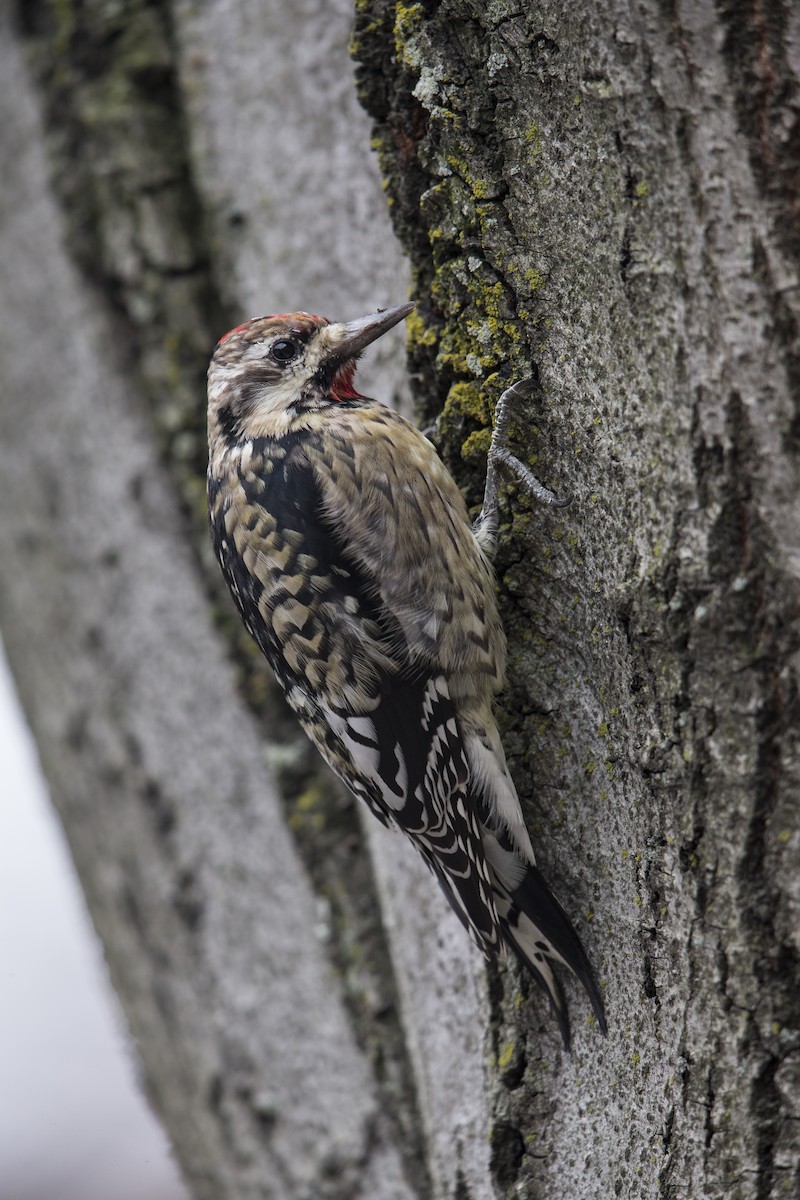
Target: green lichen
column 468, row 400
column 408, row 20
column 506, row 1055
column 467, row 403
column 534, row 278
column 533, row 137
column 486, row 332
column 479, row 185
column 418, row 333
column 476, row 444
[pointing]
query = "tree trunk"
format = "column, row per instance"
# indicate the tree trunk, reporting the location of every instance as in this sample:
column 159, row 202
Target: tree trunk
column 606, row 198
column 611, row 195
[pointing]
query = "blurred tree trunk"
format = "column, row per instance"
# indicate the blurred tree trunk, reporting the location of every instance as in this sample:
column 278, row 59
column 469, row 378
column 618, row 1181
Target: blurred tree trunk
column 605, row 195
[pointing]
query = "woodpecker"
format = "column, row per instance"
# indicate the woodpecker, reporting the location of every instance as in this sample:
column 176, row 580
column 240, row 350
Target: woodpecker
column 348, row 550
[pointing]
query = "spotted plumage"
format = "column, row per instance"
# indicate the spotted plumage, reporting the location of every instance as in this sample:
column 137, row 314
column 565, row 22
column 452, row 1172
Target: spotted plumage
column 347, row 547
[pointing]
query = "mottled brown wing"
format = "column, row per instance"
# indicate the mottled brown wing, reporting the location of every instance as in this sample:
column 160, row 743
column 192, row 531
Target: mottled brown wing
column 388, row 728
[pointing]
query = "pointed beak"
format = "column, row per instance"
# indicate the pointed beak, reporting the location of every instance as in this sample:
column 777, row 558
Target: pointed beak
column 356, row 335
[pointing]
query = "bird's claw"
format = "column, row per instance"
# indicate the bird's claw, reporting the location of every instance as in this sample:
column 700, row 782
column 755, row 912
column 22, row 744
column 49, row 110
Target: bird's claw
column 486, row 525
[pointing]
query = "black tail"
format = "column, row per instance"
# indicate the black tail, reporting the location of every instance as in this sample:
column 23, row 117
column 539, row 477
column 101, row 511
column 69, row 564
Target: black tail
column 540, row 932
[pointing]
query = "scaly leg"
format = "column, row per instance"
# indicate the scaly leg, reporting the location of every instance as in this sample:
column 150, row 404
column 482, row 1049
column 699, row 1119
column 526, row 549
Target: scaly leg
column 485, row 527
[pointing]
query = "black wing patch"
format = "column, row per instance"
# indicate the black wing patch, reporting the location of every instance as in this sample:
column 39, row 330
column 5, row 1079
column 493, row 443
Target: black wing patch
column 298, row 593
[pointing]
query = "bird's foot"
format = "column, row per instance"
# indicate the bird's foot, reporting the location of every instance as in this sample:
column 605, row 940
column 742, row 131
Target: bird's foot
column 485, row 527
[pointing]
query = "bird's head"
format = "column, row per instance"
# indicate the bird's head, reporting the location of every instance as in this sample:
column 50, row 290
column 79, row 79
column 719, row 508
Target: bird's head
column 267, row 374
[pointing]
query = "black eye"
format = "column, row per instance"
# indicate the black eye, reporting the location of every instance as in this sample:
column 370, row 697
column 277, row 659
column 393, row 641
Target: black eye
column 284, row 351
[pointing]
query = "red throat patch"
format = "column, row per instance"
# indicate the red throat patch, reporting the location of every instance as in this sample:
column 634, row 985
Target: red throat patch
column 342, row 387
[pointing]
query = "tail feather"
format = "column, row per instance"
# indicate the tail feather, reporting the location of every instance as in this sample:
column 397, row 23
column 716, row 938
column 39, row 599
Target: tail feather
column 537, row 928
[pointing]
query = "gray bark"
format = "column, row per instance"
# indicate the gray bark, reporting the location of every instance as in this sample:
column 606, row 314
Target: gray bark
column 605, row 192
column 609, row 191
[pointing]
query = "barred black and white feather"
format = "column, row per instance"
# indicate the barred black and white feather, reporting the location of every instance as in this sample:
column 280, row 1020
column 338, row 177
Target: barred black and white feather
column 348, row 550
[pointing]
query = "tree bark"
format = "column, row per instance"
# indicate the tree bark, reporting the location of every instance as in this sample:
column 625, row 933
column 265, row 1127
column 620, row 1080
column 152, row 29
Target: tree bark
column 602, row 195
column 609, row 193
